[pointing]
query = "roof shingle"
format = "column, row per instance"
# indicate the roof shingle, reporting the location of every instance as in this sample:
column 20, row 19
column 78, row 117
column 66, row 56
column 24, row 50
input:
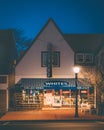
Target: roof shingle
column 87, row 43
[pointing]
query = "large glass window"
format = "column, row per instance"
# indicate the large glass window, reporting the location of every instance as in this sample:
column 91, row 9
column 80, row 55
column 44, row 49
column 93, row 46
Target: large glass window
column 55, row 58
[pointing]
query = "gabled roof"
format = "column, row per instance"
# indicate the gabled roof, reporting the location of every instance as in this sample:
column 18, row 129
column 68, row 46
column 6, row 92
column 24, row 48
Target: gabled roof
column 50, row 20
column 8, row 51
column 87, row 43
column 81, row 43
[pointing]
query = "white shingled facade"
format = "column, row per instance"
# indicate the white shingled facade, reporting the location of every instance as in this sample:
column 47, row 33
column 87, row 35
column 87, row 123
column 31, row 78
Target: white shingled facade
column 30, row 64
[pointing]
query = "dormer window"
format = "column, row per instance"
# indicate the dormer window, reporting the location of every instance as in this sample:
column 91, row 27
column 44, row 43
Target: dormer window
column 86, row 58
column 79, row 58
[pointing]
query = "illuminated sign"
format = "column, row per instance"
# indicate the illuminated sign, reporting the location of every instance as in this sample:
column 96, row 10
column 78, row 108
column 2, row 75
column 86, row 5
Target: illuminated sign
column 56, row 83
column 64, row 85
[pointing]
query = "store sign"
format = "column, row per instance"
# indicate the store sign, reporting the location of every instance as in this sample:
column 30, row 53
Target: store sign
column 64, row 85
column 56, row 83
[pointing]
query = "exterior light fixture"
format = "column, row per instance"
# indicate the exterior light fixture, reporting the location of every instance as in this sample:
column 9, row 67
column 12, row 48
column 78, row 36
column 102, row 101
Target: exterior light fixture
column 76, row 70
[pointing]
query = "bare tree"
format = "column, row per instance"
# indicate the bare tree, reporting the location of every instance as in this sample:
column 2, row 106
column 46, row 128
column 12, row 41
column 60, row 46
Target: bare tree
column 96, row 78
column 22, row 42
column 94, row 75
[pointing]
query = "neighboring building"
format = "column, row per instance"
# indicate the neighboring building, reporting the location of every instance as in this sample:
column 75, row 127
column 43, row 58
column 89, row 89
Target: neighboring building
column 44, row 75
column 89, row 54
column 8, row 54
column 100, row 59
column 100, row 67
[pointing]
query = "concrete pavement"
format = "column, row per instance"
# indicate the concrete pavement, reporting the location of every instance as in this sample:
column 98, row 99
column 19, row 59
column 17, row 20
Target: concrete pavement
column 55, row 114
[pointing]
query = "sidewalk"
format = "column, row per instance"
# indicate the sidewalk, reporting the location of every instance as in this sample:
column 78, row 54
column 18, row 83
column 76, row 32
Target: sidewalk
column 57, row 114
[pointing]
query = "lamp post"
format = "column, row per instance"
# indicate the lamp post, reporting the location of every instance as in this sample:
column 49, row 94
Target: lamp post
column 76, row 71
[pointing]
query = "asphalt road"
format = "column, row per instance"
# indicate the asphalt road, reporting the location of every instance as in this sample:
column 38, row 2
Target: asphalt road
column 52, row 125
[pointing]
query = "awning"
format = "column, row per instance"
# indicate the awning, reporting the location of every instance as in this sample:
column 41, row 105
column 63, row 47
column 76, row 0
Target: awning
column 56, row 84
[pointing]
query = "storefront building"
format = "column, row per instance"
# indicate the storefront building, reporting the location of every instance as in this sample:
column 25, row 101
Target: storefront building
column 44, row 76
column 55, row 93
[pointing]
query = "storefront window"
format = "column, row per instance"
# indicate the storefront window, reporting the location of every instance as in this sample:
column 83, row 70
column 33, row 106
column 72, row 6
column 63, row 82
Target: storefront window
column 48, row 99
column 30, row 96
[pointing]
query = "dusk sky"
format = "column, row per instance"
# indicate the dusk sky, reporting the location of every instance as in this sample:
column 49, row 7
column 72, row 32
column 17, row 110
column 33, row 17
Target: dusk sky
column 71, row 16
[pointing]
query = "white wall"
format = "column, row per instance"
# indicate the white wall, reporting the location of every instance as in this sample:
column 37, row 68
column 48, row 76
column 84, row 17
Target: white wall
column 30, row 64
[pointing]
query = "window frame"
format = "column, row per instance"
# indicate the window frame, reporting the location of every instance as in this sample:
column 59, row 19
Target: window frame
column 84, row 58
column 3, row 79
column 90, row 58
column 77, row 59
column 42, row 58
column 43, row 64
column 58, row 59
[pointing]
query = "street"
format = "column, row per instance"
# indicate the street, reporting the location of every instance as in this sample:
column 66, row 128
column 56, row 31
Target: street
column 52, row 125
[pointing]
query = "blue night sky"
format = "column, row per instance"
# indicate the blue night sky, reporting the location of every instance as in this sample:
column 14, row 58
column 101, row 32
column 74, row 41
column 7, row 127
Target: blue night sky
column 71, row 16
